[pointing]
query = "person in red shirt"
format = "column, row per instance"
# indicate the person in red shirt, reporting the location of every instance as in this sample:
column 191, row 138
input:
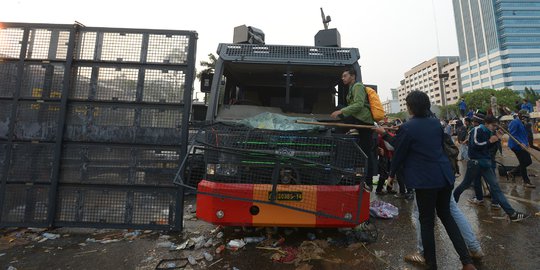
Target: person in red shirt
column 385, row 152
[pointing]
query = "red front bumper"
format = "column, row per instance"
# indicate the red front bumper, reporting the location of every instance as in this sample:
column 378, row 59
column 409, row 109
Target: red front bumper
column 339, row 201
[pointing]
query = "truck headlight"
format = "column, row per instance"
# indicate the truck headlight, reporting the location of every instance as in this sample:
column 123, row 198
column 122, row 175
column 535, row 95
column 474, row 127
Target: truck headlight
column 210, row 169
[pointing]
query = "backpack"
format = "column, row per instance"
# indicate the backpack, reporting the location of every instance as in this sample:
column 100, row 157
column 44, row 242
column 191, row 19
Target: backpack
column 451, row 151
column 375, row 104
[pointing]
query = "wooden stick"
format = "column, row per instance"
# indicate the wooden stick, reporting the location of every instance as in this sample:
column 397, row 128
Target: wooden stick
column 519, row 143
column 337, row 124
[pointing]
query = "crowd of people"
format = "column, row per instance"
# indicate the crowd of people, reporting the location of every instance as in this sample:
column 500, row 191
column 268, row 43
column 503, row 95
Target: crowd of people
column 417, row 154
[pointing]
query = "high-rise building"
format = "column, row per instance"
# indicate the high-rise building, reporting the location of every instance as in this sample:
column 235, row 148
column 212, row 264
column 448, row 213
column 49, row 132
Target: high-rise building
column 499, row 43
column 438, row 78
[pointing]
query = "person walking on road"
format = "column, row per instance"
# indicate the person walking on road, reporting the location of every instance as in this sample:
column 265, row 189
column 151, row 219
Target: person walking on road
column 518, row 131
column 427, row 169
column 481, row 140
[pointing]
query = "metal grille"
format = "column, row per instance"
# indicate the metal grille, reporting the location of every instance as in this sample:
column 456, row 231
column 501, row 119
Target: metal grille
column 114, row 123
column 92, row 126
column 143, row 209
column 240, row 155
column 11, row 40
column 281, row 53
column 3, row 150
column 41, row 158
column 8, row 79
column 168, row 49
column 164, row 86
column 43, row 81
column 25, row 204
column 49, row 44
column 37, row 121
column 5, row 116
column 117, row 165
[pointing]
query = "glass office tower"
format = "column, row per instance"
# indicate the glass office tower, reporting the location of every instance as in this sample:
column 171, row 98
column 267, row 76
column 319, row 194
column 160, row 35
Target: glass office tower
column 499, row 43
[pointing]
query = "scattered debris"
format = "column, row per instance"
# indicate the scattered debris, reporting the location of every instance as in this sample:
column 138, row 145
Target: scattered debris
column 166, row 244
column 208, row 256
column 383, row 210
column 11, row 268
column 311, row 236
column 236, row 244
column 192, row 260
column 50, row 236
column 215, row 262
column 220, row 249
column 279, row 242
column 171, row 264
column 85, row 252
column 254, row 240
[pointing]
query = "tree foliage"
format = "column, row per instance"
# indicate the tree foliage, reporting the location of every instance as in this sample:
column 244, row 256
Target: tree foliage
column 531, row 95
column 401, row 115
column 209, row 65
column 480, row 99
column 448, row 111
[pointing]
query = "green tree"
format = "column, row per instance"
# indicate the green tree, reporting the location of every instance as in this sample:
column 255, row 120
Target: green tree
column 448, row 111
column 480, row 99
column 531, row 95
column 209, row 65
column 400, row 115
column 209, row 68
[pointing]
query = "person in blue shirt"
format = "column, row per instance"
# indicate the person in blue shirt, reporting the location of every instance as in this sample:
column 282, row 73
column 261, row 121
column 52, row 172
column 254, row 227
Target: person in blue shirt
column 462, row 107
column 470, row 114
column 481, row 141
column 526, row 105
column 518, row 131
column 427, row 169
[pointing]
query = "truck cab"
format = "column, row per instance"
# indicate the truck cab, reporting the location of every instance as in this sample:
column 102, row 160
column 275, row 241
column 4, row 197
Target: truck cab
column 292, row 80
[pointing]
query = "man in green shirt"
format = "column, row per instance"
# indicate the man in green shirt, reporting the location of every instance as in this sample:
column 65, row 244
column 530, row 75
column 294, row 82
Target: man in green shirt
column 358, row 112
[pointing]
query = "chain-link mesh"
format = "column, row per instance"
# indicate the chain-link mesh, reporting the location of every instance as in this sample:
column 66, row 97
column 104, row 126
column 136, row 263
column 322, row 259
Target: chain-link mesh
column 240, row 155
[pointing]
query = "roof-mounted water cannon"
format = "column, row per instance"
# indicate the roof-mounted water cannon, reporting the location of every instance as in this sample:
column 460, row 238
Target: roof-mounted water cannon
column 327, row 37
column 248, row 35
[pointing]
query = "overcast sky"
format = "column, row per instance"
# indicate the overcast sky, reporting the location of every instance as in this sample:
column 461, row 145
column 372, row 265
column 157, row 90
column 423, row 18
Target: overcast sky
column 392, row 35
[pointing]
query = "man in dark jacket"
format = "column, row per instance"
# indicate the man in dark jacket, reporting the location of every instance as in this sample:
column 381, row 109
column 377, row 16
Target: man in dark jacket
column 481, row 140
column 517, row 130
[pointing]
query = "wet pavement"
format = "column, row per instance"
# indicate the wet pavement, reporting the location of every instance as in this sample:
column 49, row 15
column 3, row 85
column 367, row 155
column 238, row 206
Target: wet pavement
column 507, row 245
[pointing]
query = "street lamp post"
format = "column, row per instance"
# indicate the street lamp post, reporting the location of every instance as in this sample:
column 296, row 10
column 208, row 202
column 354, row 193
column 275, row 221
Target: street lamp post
column 443, row 77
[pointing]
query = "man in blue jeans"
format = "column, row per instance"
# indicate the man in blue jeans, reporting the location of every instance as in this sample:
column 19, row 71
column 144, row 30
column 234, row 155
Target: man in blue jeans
column 481, row 140
column 464, row 227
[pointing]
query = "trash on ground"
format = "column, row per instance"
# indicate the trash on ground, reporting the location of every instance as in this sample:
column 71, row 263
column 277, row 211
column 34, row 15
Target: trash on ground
column 192, row 260
column 171, row 264
column 166, row 244
column 383, row 210
column 279, row 242
column 236, row 244
column 208, row 256
column 220, row 249
column 254, row 240
column 51, row 236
